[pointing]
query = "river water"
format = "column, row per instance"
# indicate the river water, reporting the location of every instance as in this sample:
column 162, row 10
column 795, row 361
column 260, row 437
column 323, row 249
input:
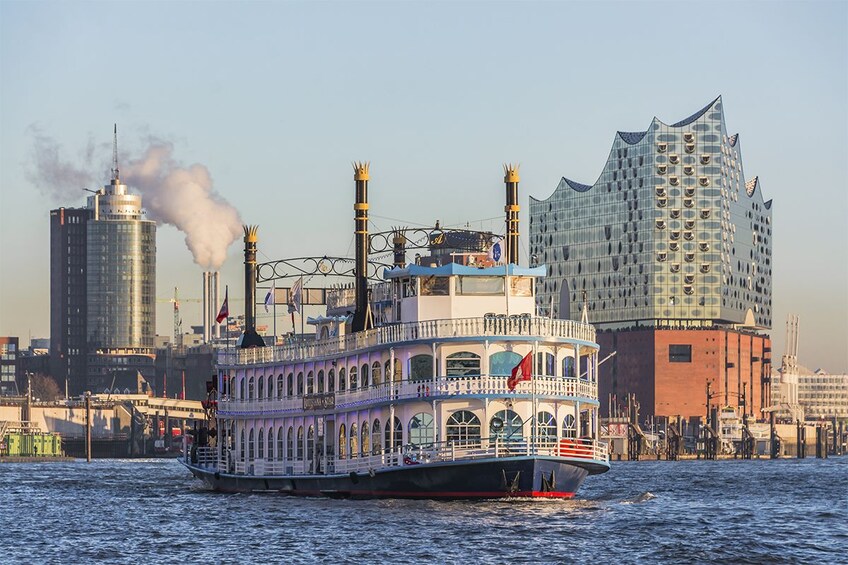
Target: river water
column 148, row 511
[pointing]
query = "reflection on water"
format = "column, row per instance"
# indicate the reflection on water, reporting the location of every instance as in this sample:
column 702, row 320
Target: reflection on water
column 691, row 511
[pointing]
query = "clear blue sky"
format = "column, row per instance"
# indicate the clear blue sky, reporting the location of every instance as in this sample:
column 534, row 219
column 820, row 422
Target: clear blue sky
column 277, row 98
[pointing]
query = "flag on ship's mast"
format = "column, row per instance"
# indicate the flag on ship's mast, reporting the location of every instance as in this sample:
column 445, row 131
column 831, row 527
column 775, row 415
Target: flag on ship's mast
column 521, row 372
column 224, row 312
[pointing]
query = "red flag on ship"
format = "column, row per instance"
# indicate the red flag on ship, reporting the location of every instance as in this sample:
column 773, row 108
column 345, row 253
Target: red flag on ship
column 224, row 313
column 522, row 372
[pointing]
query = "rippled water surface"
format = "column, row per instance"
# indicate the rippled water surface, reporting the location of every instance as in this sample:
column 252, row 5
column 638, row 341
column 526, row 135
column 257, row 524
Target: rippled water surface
column 122, row 511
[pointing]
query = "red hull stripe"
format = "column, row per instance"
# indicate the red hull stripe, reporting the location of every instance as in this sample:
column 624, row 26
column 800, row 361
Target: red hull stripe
column 448, row 494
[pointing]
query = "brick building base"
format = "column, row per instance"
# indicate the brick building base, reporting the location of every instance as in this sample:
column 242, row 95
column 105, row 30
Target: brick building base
column 668, row 370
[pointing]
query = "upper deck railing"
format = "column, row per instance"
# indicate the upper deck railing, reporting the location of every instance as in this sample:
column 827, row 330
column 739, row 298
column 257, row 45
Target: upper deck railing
column 490, row 325
column 440, row 387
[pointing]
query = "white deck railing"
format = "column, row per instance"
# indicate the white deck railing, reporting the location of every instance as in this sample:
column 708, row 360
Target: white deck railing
column 400, row 333
column 400, row 390
column 497, row 448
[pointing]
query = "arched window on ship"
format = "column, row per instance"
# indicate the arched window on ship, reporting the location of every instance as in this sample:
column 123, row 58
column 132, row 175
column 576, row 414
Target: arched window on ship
column 463, row 429
column 502, row 363
column 421, row 430
column 546, row 428
column 342, row 437
column 354, row 440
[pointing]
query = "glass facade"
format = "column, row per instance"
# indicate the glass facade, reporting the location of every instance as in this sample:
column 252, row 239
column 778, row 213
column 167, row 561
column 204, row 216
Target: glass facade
column 670, row 235
column 68, row 310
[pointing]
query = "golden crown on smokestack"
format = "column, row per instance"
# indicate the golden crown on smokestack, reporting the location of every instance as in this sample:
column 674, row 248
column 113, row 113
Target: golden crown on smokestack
column 251, row 234
column 360, row 170
column 511, row 172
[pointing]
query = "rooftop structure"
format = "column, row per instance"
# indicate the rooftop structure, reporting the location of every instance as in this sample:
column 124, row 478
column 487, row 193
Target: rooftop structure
column 671, row 234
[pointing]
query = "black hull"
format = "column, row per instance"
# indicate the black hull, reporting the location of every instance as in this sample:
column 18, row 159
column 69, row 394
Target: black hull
column 532, row 477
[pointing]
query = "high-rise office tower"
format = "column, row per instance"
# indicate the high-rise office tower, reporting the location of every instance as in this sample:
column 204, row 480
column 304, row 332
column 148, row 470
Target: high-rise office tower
column 68, row 298
column 670, row 237
column 110, row 288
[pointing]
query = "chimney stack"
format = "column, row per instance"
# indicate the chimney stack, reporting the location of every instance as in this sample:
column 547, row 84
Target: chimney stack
column 512, row 208
column 360, row 207
column 250, row 337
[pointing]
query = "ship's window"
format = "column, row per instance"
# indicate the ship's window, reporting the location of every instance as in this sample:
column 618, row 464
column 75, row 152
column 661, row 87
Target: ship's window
column 479, row 286
column 342, row 441
column 310, row 382
column 310, row 444
column 546, row 428
column 463, row 428
column 290, row 384
column 365, row 439
column 376, row 374
column 242, row 447
column 376, row 438
column 421, row 429
column 521, row 286
column 342, row 380
column 260, row 453
column 506, row 425
column 435, row 286
column 363, row 376
column 398, row 435
column 300, row 384
column 568, row 371
column 353, row 379
column 462, row 364
column 569, row 429
column 320, row 381
column 502, row 363
column 354, row 441
column 260, row 392
column 331, row 381
column 680, row 353
column 545, row 364
column 280, row 386
column 397, row 374
column 281, row 446
column 251, row 389
column 250, row 445
column 421, row 367
column 300, row 443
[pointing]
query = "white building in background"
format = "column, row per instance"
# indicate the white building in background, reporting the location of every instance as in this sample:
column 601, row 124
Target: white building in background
column 819, row 395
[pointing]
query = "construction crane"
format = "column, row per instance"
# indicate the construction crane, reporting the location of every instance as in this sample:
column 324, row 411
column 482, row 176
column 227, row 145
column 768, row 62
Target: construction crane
column 178, row 321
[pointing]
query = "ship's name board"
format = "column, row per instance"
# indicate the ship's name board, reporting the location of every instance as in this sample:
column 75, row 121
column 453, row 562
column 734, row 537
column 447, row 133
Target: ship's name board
column 324, row 401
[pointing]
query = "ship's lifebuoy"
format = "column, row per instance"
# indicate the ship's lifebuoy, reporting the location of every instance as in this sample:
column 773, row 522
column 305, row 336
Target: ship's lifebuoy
column 567, row 448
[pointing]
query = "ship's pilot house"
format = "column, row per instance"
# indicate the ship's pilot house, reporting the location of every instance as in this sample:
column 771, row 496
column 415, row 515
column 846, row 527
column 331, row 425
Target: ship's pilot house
column 456, row 291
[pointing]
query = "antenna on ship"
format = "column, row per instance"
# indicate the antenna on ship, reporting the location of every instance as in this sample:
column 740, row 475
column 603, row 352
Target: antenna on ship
column 115, row 173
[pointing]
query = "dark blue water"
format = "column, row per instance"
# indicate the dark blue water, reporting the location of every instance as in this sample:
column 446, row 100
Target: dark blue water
column 121, row 511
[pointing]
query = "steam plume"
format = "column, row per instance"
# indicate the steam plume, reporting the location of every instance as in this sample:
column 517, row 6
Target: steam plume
column 183, row 197
column 174, row 194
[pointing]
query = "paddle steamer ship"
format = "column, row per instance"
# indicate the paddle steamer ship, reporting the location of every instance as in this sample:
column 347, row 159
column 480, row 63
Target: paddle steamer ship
column 418, row 401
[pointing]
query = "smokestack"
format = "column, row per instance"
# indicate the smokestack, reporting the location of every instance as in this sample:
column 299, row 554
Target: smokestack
column 512, row 208
column 360, row 207
column 206, row 308
column 399, row 247
column 250, row 337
